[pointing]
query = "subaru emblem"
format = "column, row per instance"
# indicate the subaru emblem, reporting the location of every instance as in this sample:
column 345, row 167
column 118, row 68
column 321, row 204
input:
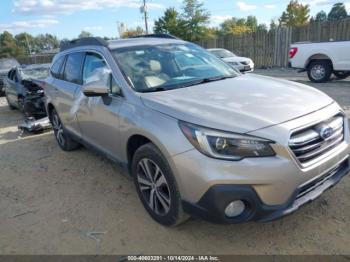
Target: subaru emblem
column 326, row 132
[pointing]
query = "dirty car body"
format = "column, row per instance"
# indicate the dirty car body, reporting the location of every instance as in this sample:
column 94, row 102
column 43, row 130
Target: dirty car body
column 24, row 89
column 197, row 136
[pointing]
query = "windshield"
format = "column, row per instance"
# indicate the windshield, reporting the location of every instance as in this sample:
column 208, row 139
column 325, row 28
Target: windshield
column 169, row 66
column 34, row 73
column 222, row 53
column 8, row 64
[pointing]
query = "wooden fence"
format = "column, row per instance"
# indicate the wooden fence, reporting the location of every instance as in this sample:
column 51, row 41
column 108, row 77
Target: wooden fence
column 271, row 48
column 267, row 49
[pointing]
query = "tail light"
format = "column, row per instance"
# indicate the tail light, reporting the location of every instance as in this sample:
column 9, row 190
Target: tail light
column 292, row 52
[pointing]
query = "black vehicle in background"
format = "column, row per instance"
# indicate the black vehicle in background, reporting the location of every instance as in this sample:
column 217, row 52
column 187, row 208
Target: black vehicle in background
column 5, row 66
column 24, row 89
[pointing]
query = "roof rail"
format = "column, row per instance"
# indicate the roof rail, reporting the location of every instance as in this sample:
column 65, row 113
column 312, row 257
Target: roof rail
column 83, row 42
column 156, row 36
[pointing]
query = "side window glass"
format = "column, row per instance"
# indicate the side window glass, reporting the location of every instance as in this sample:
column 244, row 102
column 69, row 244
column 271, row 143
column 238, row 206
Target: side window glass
column 95, row 68
column 15, row 77
column 13, row 74
column 55, row 68
column 10, row 75
column 72, row 70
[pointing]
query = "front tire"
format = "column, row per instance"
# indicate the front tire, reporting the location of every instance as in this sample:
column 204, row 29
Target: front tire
column 156, row 186
column 65, row 142
column 320, row 71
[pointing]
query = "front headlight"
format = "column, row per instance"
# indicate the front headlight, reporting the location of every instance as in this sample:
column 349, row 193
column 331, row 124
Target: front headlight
column 225, row 145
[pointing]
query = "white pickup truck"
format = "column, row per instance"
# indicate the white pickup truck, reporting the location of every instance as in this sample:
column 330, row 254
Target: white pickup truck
column 320, row 60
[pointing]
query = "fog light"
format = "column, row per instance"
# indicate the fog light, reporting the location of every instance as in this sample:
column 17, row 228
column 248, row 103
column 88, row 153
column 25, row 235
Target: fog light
column 235, row 208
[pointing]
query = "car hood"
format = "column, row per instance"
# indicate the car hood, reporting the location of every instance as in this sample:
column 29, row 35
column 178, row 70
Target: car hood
column 241, row 104
column 236, row 59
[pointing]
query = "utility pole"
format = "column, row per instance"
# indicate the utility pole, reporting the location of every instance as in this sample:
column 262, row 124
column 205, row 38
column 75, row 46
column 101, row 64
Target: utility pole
column 145, row 14
column 29, row 49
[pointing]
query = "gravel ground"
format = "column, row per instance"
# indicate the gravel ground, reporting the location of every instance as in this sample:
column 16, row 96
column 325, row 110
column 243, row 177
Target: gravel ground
column 52, row 202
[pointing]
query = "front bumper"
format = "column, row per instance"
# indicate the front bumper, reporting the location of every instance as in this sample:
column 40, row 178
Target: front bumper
column 34, row 105
column 243, row 68
column 272, row 182
column 213, row 203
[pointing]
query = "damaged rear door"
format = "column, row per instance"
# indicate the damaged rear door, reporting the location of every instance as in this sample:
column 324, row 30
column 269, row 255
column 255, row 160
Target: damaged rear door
column 66, row 91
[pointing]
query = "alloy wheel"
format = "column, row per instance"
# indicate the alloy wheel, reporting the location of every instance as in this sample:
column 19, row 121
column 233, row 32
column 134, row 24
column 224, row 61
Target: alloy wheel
column 58, row 129
column 153, row 186
column 318, row 72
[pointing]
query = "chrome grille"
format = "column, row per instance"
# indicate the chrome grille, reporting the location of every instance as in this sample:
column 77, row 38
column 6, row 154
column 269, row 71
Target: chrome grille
column 310, row 143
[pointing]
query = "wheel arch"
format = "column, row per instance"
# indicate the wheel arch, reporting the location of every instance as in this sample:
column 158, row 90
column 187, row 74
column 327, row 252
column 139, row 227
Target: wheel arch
column 50, row 107
column 134, row 142
column 319, row 56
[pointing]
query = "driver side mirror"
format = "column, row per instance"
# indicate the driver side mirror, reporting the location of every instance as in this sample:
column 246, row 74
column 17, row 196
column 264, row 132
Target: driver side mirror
column 96, row 88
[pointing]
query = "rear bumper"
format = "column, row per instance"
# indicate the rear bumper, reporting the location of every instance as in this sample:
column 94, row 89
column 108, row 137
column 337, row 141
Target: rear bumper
column 213, row 203
column 293, row 63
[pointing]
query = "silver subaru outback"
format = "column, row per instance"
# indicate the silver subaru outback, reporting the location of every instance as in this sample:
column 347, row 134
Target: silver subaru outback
column 198, row 138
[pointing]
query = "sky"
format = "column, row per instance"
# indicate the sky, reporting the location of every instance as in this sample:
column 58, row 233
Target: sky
column 67, row 18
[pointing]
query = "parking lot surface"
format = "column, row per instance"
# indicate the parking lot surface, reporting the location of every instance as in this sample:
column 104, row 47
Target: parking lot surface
column 54, row 202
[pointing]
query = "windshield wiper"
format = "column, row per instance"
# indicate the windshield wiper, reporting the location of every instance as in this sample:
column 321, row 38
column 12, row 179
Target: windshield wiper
column 193, row 83
column 207, row 80
column 154, row 89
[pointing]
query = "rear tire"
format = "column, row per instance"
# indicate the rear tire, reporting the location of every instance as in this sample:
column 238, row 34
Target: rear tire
column 156, row 186
column 320, row 71
column 341, row 74
column 65, row 142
